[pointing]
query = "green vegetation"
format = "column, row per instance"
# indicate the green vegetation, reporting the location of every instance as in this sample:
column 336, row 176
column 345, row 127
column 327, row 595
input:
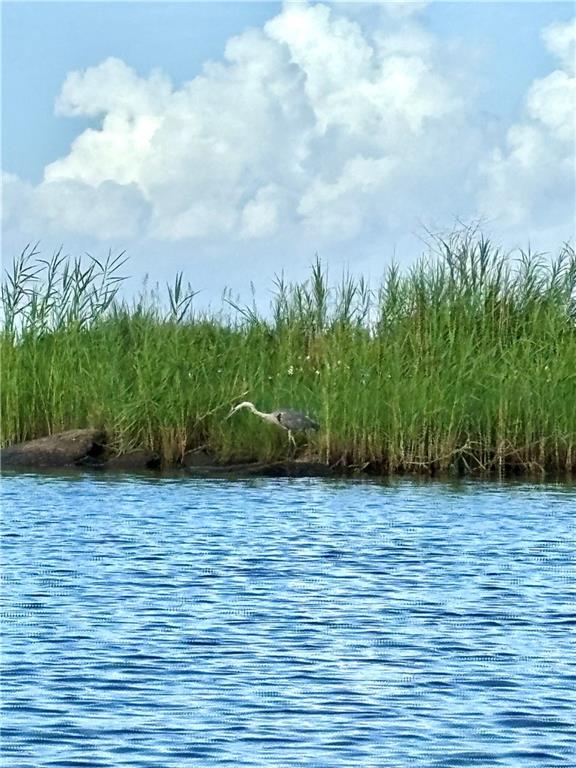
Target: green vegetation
column 464, row 363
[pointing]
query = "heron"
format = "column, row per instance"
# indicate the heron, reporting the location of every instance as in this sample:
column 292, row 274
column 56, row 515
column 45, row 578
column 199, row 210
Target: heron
column 288, row 419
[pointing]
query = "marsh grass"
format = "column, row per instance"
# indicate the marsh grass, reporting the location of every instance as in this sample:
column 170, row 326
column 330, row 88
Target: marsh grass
column 464, row 363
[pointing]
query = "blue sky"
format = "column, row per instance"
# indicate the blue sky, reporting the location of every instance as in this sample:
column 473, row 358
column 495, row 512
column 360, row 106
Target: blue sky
column 472, row 81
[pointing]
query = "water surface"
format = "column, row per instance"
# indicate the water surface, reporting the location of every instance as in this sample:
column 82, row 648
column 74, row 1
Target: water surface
column 168, row 622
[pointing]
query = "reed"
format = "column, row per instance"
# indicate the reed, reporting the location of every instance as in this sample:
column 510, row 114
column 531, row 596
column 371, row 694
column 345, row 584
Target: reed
column 464, row 363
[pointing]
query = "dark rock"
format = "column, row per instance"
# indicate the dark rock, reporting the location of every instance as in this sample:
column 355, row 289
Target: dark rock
column 135, row 460
column 62, row 450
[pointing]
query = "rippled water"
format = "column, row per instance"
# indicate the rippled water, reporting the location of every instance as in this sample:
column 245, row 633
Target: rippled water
column 171, row 622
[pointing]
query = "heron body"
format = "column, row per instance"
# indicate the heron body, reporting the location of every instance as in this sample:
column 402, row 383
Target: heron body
column 288, row 419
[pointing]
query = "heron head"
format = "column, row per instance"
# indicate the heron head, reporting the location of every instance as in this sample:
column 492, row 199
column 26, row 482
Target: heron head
column 238, row 407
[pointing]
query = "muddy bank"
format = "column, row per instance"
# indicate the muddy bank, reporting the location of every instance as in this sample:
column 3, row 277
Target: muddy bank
column 89, row 449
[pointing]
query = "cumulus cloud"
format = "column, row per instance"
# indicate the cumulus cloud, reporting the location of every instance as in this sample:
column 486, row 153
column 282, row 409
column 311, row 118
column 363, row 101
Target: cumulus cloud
column 560, row 39
column 260, row 216
column 308, row 114
column 531, row 180
column 319, row 124
column 105, row 211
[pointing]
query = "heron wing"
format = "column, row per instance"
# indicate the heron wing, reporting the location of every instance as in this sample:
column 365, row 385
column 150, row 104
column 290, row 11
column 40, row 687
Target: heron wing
column 295, row 420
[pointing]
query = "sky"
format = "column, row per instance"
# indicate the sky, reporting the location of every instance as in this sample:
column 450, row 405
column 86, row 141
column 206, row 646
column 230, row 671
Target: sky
column 234, row 141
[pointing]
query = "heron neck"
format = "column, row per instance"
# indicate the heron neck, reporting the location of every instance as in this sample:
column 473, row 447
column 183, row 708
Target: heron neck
column 256, row 412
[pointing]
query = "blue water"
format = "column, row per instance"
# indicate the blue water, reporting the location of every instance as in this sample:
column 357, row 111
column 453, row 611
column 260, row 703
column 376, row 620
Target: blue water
column 165, row 622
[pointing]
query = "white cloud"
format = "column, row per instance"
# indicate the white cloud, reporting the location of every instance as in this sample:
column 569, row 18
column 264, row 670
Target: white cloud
column 15, row 195
column 552, row 101
column 112, row 88
column 108, row 210
column 319, row 128
column 336, row 207
column 560, row 39
column 105, row 211
column 307, row 112
column 260, row 216
column 531, row 181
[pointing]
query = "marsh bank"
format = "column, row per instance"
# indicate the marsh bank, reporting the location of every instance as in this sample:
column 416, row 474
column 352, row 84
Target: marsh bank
column 462, row 364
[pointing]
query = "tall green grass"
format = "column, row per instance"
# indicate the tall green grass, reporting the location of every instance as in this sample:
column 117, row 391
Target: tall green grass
column 465, row 363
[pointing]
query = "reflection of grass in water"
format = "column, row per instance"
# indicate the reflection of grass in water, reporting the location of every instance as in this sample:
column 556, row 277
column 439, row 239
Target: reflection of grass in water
column 466, row 361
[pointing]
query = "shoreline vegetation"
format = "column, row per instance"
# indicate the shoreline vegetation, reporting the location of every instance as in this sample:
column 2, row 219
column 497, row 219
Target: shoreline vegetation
column 463, row 364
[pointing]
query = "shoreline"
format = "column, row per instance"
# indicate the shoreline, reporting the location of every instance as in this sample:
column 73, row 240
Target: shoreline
column 91, row 450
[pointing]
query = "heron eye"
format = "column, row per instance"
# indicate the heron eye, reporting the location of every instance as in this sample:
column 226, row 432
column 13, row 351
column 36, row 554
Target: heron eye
column 279, row 417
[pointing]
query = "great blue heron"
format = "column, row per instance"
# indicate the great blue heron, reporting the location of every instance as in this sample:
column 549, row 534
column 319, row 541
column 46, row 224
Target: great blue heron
column 291, row 421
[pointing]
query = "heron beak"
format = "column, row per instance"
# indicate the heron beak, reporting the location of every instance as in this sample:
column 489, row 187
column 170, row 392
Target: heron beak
column 232, row 411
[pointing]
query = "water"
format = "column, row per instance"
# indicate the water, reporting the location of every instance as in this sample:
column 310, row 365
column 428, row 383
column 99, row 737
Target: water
column 173, row 623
